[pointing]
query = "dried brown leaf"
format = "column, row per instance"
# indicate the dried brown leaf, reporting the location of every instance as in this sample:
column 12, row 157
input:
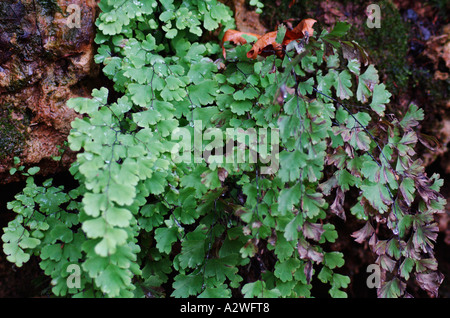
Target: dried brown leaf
column 235, row 37
column 380, row 247
column 313, row 230
column 267, row 45
column 308, row 270
column 222, row 173
column 425, row 264
column 430, row 282
column 386, row 262
column 365, row 232
column 338, row 205
column 304, row 28
column 306, row 251
column 262, row 43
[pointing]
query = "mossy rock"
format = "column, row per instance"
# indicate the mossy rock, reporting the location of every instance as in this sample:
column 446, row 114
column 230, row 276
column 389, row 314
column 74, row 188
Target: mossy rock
column 387, row 46
column 13, row 133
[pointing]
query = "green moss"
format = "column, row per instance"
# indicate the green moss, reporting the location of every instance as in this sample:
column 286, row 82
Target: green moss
column 442, row 6
column 436, row 92
column 273, row 13
column 12, row 133
column 387, row 46
column 17, row 85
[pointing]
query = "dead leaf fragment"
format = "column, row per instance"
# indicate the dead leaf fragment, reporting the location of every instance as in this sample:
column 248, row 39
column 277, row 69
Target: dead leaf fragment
column 308, row 270
column 338, row 205
column 235, row 37
column 266, row 44
column 308, row 252
column 222, row 173
column 313, row 231
column 430, row 282
column 304, row 28
column 365, row 232
column 438, row 75
column 262, row 43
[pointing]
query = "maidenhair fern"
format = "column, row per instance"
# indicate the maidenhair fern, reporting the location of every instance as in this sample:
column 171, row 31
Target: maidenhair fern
column 305, row 138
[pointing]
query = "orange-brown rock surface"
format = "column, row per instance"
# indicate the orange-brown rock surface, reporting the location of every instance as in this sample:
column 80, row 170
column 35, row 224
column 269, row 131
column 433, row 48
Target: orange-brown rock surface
column 46, row 57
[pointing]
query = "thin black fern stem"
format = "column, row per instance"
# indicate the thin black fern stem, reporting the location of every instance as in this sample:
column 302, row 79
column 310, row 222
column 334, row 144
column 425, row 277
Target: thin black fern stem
column 393, row 199
column 359, row 123
column 210, row 241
